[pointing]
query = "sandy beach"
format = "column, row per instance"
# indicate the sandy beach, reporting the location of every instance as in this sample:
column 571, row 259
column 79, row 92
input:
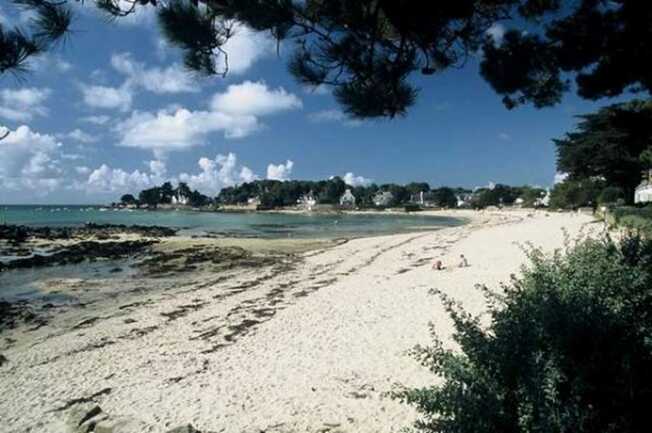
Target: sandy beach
column 311, row 346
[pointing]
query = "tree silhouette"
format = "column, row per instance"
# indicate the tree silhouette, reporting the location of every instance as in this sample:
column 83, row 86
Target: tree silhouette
column 609, row 144
column 368, row 50
column 50, row 23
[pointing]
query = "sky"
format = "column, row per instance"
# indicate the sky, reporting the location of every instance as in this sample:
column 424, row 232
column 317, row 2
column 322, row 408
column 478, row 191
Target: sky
column 112, row 111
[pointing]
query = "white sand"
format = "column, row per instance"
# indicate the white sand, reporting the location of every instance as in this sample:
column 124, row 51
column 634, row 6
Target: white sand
column 322, row 362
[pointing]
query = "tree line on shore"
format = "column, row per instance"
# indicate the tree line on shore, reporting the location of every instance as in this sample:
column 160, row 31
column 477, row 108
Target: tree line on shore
column 276, row 194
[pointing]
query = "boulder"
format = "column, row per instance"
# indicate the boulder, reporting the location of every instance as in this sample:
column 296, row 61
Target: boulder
column 120, row 425
column 83, row 417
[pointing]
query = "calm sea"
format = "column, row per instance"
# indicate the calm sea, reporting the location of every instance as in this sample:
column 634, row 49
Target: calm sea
column 263, row 225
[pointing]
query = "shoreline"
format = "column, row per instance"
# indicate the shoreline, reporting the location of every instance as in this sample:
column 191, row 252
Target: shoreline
column 311, row 343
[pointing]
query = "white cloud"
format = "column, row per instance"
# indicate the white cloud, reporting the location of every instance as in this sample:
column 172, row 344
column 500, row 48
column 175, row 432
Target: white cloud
column 23, row 104
column 560, row 177
column 29, row 161
column 245, row 48
column 168, row 131
column 247, row 175
column 280, row 172
column 96, row 120
column 158, row 169
column 173, row 79
column 109, row 180
column 48, row 63
column 234, row 113
column 218, row 173
column 325, row 116
column 497, row 32
column 353, row 180
column 107, row 97
column 255, row 99
column 106, row 179
column 80, row 136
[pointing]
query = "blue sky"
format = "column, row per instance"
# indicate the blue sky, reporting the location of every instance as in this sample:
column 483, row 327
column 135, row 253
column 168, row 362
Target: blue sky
column 112, row 111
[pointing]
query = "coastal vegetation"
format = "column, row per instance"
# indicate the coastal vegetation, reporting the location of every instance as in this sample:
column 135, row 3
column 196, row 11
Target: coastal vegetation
column 274, row 194
column 632, row 218
column 611, row 145
column 567, row 348
column 166, row 194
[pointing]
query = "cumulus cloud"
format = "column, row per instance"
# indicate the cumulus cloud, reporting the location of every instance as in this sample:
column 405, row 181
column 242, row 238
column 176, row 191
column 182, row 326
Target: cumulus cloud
column 173, row 79
column 105, row 97
column 246, row 47
column 326, row 116
column 106, row 179
column 280, row 172
column 353, row 180
column 173, row 130
column 79, row 135
column 255, row 99
column 23, row 104
column 109, row 180
column 29, row 161
column 218, row 173
column 49, row 63
column 235, row 113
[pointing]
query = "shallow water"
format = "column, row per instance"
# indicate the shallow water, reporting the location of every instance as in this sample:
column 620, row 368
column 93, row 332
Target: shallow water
column 262, row 225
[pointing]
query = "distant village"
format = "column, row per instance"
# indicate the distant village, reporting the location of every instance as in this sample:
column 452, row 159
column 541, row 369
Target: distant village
column 334, row 194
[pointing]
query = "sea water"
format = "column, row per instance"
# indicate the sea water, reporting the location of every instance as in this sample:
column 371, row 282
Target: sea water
column 245, row 224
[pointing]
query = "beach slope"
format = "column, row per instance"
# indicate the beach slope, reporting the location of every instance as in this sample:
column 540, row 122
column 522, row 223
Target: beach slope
column 311, row 346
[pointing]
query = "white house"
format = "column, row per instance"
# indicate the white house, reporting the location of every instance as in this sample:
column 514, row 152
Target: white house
column 543, row 201
column 464, row 200
column 307, row 201
column 347, row 199
column 253, row 201
column 643, row 193
column 383, row 198
column 179, row 199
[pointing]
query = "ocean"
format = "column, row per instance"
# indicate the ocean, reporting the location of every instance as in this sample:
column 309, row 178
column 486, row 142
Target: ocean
column 256, row 225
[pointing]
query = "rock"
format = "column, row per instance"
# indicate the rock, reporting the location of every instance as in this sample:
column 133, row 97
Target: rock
column 83, row 417
column 81, row 252
column 120, row 425
column 188, row 428
column 3, row 360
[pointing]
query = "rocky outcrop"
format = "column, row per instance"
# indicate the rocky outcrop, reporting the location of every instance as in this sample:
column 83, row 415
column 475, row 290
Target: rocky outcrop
column 80, row 252
column 17, row 234
column 13, row 314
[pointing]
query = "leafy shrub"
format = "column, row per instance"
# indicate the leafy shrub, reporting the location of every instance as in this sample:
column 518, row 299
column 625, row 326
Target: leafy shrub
column 611, row 195
column 568, row 348
column 637, row 219
column 572, row 194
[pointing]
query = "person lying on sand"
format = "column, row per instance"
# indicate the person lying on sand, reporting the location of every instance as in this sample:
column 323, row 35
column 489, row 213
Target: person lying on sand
column 463, row 262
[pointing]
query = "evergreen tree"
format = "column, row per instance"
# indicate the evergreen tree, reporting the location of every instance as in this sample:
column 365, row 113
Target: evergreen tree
column 368, row 50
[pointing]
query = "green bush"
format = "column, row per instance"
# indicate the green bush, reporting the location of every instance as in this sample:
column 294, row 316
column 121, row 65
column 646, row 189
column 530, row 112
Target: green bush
column 572, row 194
column 568, row 348
column 637, row 219
column 611, row 195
